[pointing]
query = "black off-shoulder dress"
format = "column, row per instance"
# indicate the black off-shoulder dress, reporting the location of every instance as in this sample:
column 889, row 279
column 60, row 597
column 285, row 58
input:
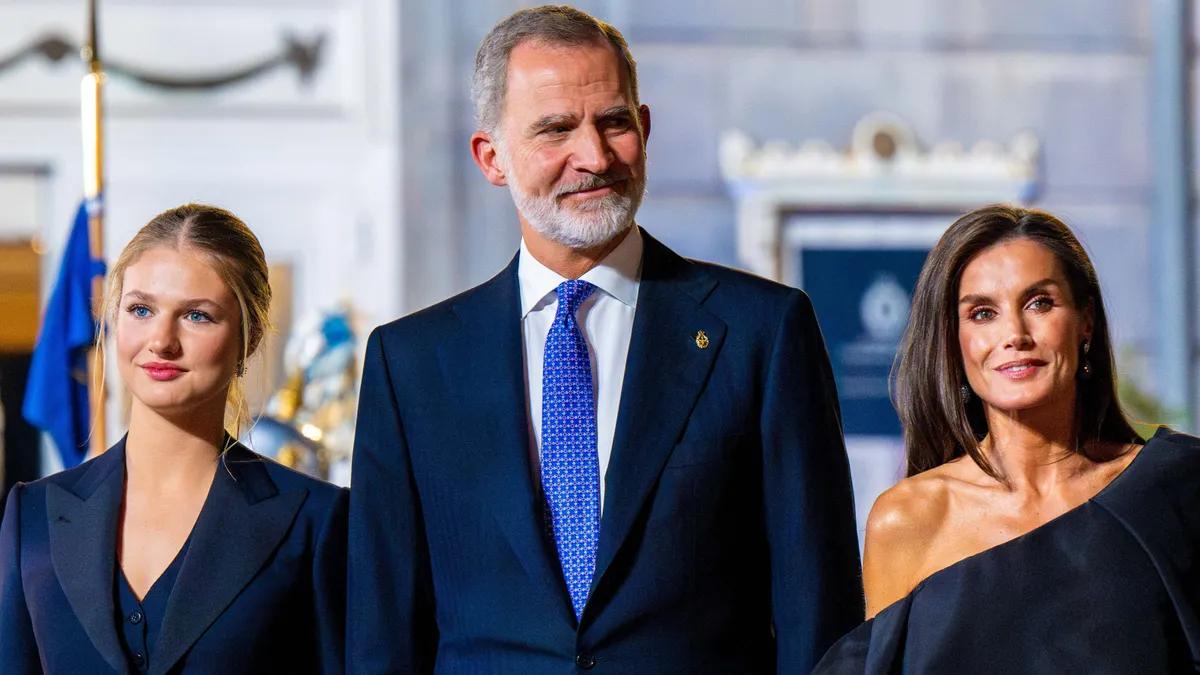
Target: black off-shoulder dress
column 1111, row 586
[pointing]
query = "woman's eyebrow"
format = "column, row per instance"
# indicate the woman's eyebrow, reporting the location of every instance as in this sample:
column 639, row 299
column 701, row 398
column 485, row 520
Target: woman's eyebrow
column 979, row 298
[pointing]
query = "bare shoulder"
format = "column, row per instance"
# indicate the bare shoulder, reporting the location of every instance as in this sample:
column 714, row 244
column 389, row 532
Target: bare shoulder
column 900, row 529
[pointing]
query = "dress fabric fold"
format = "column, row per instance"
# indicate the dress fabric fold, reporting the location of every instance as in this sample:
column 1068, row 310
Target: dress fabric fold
column 1111, row 586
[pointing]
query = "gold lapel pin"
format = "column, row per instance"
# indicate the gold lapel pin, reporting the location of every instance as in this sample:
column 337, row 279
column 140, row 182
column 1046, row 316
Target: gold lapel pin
column 701, row 340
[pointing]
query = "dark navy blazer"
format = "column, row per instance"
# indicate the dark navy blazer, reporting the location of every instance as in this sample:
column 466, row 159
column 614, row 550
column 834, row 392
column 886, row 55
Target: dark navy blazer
column 727, row 543
column 260, row 590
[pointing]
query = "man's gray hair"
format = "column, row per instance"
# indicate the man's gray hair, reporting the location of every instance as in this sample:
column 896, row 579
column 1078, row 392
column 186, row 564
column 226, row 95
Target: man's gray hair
column 549, row 24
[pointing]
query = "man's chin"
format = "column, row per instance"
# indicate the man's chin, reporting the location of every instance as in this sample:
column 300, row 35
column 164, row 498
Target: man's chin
column 582, row 238
column 575, row 202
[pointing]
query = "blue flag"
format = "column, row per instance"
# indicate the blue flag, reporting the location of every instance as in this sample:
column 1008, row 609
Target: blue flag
column 56, row 396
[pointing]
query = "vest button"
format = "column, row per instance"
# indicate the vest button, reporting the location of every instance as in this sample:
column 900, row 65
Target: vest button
column 585, row 661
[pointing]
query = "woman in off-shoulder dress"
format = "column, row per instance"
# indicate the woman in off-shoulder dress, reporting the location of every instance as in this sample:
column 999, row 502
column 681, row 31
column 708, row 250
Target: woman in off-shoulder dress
column 1036, row 531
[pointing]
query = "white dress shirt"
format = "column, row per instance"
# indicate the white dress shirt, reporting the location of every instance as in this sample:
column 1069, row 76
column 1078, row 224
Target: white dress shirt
column 606, row 319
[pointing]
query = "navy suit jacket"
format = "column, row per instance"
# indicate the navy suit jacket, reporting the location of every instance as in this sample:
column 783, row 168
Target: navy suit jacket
column 727, row 543
column 260, row 589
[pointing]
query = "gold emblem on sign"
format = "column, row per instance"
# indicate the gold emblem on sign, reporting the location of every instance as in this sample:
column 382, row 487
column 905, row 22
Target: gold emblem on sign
column 701, row 340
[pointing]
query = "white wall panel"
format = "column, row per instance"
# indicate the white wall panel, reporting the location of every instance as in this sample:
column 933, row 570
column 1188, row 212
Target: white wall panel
column 312, row 167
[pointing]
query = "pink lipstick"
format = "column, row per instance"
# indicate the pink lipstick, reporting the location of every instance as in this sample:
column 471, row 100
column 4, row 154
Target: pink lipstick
column 1021, row 369
column 162, row 372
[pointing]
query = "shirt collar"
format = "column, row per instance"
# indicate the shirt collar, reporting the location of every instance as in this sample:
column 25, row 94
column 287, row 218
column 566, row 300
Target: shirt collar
column 617, row 274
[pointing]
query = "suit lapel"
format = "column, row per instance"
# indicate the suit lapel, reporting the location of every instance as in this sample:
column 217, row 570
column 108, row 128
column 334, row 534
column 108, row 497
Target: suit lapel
column 664, row 374
column 83, row 547
column 485, row 364
column 242, row 522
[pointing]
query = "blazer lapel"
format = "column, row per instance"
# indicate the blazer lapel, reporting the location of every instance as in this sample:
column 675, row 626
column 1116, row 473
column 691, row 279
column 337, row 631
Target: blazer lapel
column 83, row 547
column 242, row 522
column 664, row 374
column 485, row 364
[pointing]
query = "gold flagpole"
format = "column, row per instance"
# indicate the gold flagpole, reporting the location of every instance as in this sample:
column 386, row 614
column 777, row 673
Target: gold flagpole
column 93, row 185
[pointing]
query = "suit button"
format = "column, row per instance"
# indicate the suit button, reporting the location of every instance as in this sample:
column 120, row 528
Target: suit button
column 135, row 617
column 585, row 661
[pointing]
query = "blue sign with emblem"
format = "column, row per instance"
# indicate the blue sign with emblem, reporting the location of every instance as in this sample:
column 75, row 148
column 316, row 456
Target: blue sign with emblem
column 862, row 298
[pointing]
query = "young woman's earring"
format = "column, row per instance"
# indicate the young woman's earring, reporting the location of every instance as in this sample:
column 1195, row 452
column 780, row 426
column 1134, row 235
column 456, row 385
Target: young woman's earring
column 1087, row 365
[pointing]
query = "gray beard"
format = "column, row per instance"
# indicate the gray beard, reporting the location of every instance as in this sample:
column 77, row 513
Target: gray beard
column 589, row 226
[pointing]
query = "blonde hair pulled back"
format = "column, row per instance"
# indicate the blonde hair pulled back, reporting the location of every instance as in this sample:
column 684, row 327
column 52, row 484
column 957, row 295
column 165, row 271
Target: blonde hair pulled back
column 234, row 254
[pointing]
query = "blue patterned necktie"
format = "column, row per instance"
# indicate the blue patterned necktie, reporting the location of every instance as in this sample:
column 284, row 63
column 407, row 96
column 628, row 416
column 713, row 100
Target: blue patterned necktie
column 570, row 466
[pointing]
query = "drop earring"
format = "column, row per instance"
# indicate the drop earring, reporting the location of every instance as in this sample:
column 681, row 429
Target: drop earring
column 1087, row 364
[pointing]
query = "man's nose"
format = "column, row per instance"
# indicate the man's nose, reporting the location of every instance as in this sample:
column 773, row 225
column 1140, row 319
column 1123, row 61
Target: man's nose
column 591, row 152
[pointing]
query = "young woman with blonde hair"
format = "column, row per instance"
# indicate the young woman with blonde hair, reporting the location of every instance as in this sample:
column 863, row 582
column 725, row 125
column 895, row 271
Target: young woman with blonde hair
column 178, row 550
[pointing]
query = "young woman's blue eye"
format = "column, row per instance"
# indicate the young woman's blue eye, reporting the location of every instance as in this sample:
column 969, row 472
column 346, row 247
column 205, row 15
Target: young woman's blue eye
column 197, row 316
column 139, row 311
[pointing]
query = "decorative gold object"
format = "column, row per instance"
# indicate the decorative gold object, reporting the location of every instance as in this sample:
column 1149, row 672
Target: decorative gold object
column 309, row 423
column 701, row 340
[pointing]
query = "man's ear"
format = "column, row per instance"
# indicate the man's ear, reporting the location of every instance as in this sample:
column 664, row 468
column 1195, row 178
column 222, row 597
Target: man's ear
column 487, row 157
column 644, row 118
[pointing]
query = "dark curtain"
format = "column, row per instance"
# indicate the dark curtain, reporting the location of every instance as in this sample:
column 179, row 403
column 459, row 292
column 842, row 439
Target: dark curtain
column 22, row 460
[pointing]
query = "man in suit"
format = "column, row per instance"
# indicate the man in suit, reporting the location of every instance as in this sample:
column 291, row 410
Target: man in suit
column 606, row 457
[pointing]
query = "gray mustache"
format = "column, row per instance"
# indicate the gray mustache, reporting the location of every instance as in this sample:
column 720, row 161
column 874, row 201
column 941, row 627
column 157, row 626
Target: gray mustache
column 590, row 183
